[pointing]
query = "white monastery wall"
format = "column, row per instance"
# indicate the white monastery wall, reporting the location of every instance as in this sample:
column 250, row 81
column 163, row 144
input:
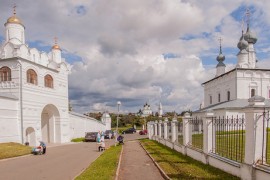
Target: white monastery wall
column 9, row 129
column 80, row 124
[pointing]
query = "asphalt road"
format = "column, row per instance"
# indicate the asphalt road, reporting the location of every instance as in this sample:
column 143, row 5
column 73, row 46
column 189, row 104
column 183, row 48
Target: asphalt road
column 60, row 162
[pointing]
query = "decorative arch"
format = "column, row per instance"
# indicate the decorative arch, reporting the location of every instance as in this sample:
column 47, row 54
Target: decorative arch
column 228, row 95
column 48, row 81
column 5, row 74
column 30, row 135
column 50, row 126
column 31, row 76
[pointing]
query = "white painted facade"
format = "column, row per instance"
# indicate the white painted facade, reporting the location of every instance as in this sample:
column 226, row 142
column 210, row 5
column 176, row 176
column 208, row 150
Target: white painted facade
column 238, row 83
column 34, row 93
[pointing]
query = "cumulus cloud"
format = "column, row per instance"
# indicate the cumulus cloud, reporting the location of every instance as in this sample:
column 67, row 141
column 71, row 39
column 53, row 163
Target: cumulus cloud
column 121, row 44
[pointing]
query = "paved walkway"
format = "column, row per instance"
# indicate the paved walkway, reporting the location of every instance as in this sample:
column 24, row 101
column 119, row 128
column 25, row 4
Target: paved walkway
column 136, row 164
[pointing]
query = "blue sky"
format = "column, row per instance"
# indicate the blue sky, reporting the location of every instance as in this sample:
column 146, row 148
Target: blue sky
column 137, row 51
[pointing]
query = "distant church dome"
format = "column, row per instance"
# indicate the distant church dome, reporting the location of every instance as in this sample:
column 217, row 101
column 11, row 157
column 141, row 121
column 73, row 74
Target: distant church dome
column 220, row 57
column 242, row 44
column 56, row 46
column 14, row 19
column 250, row 36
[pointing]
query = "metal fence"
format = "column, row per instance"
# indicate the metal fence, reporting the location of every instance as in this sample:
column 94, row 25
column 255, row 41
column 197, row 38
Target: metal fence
column 179, row 136
column 158, row 129
column 197, row 132
column 162, row 131
column 228, row 137
column 265, row 139
column 169, row 126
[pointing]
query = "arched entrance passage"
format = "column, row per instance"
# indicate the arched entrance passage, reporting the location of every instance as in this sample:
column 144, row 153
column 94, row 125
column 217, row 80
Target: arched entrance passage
column 50, row 126
column 30, row 136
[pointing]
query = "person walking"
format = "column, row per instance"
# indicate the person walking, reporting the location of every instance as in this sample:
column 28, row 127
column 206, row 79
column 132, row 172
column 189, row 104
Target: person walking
column 98, row 137
column 102, row 136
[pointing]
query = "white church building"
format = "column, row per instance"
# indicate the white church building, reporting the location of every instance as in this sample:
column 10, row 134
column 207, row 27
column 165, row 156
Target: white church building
column 34, row 93
column 228, row 92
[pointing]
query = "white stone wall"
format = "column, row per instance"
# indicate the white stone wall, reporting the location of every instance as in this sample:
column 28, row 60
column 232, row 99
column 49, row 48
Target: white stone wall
column 258, row 80
column 220, row 85
column 9, row 121
column 80, row 124
column 239, row 82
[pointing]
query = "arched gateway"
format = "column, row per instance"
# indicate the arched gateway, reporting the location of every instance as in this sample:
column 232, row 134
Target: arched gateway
column 30, row 136
column 50, row 125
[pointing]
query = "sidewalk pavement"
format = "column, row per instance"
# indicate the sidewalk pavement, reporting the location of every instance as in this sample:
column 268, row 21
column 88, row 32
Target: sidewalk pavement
column 136, row 164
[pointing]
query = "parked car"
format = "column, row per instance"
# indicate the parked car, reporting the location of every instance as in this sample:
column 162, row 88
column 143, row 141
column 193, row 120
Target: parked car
column 143, row 132
column 91, row 136
column 129, row 131
column 107, row 134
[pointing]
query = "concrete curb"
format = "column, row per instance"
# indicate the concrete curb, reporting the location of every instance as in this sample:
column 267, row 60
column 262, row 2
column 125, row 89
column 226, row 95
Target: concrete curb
column 156, row 164
column 119, row 164
column 11, row 158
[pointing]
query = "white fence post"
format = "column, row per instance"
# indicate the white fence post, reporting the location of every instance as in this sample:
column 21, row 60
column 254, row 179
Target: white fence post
column 254, row 114
column 174, row 130
column 207, row 132
column 186, row 129
column 150, row 129
column 159, row 128
column 165, row 128
column 155, row 125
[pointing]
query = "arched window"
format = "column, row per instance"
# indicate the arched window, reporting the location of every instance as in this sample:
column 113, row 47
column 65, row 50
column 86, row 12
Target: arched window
column 228, row 95
column 252, row 92
column 5, row 74
column 48, row 81
column 31, row 76
column 218, row 97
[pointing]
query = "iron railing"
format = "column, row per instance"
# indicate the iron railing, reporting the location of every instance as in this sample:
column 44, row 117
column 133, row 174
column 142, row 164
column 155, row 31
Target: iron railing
column 169, row 127
column 197, row 132
column 162, row 130
column 179, row 128
column 228, row 137
column 265, row 139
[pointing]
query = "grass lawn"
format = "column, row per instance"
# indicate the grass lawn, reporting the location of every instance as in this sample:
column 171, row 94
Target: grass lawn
column 8, row 150
column 179, row 166
column 103, row 167
column 82, row 139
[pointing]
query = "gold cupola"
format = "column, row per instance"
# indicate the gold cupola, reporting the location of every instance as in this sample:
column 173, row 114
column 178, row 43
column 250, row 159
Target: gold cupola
column 14, row 19
column 56, row 46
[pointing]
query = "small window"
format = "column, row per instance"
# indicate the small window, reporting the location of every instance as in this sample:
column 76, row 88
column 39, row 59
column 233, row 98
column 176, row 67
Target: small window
column 48, row 81
column 5, row 74
column 218, row 97
column 210, row 99
column 228, row 95
column 269, row 94
column 252, row 92
column 31, row 76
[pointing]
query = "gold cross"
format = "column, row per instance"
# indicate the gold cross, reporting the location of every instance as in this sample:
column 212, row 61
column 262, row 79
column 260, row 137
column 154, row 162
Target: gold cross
column 14, row 9
column 247, row 14
column 55, row 40
column 220, row 40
